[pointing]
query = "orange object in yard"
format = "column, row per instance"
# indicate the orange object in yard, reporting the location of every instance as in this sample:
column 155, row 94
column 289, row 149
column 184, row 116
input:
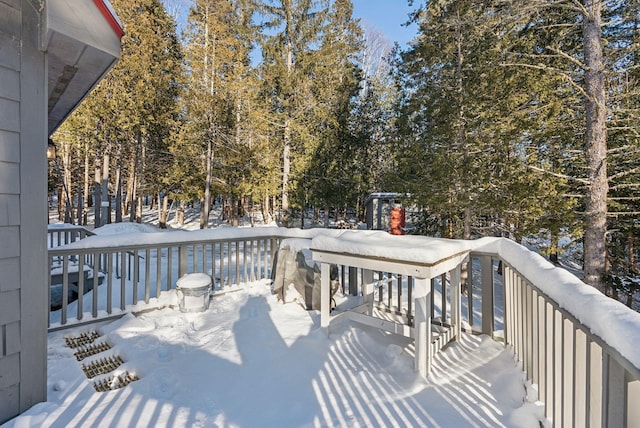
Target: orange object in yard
column 397, row 221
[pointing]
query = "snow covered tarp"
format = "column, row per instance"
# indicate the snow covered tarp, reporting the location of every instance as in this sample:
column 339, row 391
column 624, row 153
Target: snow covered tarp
column 295, row 267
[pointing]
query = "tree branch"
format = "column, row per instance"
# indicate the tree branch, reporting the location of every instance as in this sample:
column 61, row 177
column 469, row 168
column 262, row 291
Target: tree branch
column 555, row 174
column 552, row 69
column 568, row 57
column 624, row 173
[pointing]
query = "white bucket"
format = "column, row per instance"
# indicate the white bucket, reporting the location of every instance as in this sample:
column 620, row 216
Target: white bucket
column 194, row 292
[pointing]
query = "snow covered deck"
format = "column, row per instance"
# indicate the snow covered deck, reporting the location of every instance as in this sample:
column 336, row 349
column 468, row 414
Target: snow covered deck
column 580, row 349
column 251, row 361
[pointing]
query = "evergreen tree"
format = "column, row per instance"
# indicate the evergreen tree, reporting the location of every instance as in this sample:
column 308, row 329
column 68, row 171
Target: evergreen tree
column 217, row 105
column 447, row 76
column 293, row 30
column 334, row 172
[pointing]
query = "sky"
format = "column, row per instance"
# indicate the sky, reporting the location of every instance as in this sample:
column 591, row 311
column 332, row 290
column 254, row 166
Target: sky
column 387, row 16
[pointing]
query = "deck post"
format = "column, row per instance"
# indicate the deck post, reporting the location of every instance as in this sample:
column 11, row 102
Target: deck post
column 456, row 306
column 422, row 330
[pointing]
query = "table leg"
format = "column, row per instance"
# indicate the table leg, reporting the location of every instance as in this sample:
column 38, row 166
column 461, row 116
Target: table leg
column 325, row 297
column 422, row 326
column 456, row 309
column 367, row 289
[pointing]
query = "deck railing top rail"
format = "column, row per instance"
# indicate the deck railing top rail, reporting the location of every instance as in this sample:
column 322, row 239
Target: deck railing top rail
column 144, row 240
column 613, row 322
column 580, row 346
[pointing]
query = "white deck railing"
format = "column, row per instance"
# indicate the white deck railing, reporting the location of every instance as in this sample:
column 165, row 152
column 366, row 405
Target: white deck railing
column 129, row 270
column 579, row 347
column 63, row 234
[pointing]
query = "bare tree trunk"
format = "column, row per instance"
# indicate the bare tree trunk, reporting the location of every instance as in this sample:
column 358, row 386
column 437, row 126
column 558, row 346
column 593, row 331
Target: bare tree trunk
column 553, row 247
column 326, row 216
column 206, row 204
column 302, row 219
column 97, row 197
column 119, row 191
column 134, row 181
column 162, row 222
column 631, row 251
column 105, row 213
column 596, row 147
column 286, row 151
column 88, row 201
column 233, row 211
column 141, row 181
column 158, row 204
column 131, row 197
column 286, row 170
column 266, row 215
column 274, row 205
column 180, row 210
column 80, row 206
column 131, row 188
column 202, row 211
column 60, row 203
column 139, row 206
column 251, row 210
column 467, row 223
column 68, row 185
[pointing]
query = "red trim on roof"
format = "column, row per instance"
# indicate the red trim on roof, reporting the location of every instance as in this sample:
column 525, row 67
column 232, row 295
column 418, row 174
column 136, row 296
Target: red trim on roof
column 110, row 16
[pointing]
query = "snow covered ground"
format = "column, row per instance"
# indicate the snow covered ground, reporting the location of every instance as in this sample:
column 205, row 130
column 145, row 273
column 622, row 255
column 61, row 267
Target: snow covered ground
column 251, row 361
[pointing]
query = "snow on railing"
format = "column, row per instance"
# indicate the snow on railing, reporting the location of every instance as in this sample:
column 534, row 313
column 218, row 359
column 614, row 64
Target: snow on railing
column 63, row 234
column 581, row 348
column 130, row 271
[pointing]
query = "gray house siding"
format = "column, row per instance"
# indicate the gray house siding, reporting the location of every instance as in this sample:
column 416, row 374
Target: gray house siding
column 23, row 180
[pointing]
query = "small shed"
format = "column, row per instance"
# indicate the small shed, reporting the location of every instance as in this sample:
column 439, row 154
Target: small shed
column 378, row 208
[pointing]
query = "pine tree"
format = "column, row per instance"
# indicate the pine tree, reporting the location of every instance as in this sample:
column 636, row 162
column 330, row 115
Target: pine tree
column 449, row 79
column 333, row 175
column 623, row 156
column 292, row 30
column 577, row 53
column 221, row 126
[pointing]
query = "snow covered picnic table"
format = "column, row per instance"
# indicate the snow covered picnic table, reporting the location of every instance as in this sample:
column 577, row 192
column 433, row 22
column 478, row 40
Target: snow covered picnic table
column 418, row 257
